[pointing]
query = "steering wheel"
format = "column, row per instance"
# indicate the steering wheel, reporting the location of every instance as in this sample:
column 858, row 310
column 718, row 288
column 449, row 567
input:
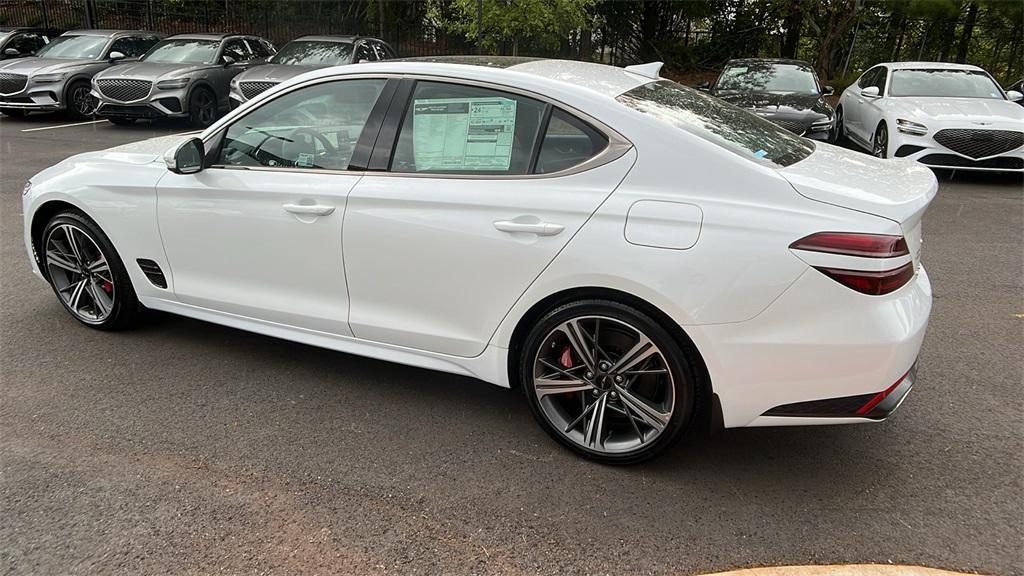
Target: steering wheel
column 328, row 147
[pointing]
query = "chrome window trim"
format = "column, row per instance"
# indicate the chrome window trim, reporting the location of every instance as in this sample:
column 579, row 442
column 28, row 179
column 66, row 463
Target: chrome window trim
column 617, row 146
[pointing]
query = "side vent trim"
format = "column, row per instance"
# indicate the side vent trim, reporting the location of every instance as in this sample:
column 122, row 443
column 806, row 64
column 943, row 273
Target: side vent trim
column 152, row 271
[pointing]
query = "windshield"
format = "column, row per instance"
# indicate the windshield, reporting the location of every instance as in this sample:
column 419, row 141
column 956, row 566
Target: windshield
column 312, row 53
column 183, row 50
column 768, row 77
column 944, row 83
column 718, row 122
column 74, row 48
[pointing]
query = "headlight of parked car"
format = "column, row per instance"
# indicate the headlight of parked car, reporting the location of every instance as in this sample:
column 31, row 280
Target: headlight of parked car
column 908, row 127
column 172, row 84
column 45, row 78
column 821, row 125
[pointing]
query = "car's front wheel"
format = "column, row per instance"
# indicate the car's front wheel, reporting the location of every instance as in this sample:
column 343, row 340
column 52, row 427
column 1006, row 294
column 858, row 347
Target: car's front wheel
column 607, row 381
column 81, row 104
column 839, row 131
column 880, row 147
column 202, row 107
column 86, row 273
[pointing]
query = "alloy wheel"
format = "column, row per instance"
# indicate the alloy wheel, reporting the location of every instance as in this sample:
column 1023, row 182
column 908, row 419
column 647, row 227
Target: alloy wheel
column 881, row 142
column 206, row 108
column 83, row 101
column 603, row 384
column 80, row 273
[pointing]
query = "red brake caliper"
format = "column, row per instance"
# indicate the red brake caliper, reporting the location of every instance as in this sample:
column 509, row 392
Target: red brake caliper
column 565, row 358
column 108, row 287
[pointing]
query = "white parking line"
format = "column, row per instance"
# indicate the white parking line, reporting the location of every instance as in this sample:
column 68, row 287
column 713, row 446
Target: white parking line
column 63, row 126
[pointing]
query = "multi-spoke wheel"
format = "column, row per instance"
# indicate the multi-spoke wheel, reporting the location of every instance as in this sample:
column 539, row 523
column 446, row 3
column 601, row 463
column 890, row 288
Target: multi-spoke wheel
column 81, row 104
column 202, row 107
column 86, row 273
column 607, row 381
column 880, row 146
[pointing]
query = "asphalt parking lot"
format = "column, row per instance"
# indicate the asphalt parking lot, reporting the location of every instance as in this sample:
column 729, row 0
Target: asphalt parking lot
column 187, row 448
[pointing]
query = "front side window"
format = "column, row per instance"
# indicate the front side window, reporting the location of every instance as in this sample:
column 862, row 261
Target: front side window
column 867, row 78
column 259, row 49
column 768, row 77
column 183, row 50
column 944, row 84
column 314, row 53
column 718, row 122
column 458, row 129
column 879, row 80
column 363, row 52
column 132, row 46
column 315, row 127
column 27, row 43
column 74, row 48
column 567, row 142
column 237, row 50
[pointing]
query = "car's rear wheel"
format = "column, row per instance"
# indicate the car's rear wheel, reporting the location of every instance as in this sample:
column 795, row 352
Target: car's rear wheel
column 202, row 107
column 13, row 112
column 81, row 104
column 607, row 381
column 880, row 147
column 86, row 273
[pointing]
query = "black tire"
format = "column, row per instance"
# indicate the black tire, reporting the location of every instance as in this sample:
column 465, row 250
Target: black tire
column 880, row 143
column 839, row 132
column 14, row 112
column 677, row 360
column 202, row 107
column 123, row 306
column 79, row 101
column 122, row 121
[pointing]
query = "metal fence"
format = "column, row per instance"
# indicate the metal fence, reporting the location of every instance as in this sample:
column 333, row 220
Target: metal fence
column 277, row 21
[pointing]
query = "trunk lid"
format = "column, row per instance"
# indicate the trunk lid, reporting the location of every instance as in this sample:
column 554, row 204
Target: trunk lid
column 896, row 189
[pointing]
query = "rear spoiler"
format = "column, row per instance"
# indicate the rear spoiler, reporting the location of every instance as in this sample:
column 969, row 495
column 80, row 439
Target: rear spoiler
column 649, row 70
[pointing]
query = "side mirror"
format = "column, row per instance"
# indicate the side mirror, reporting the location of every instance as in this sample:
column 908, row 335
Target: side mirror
column 115, row 56
column 12, row 52
column 704, row 86
column 228, row 60
column 829, row 91
column 1014, row 96
column 870, row 92
column 362, row 61
column 186, row 158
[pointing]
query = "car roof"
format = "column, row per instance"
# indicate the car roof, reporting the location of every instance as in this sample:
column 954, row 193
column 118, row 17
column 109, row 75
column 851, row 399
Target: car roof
column 106, row 33
column 929, row 65
column 601, row 78
column 334, row 38
column 769, row 61
column 210, row 36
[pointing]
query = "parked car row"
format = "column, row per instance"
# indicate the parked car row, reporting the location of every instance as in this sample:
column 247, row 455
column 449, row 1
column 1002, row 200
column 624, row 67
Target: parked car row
column 953, row 116
column 126, row 75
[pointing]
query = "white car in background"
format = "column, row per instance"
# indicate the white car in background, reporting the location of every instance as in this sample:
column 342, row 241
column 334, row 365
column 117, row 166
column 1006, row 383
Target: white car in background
column 939, row 114
column 636, row 256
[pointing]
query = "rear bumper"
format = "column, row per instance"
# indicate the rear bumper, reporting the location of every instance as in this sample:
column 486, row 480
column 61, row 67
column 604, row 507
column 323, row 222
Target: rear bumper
column 818, row 344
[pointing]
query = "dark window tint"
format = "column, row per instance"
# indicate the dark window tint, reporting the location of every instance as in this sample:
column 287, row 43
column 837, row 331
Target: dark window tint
column 568, row 142
column 363, row 52
column 259, row 48
column 879, row 80
column 237, row 50
column 867, row 79
column 457, row 129
column 718, row 122
column 26, row 43
column 313, row 127
column 132, row 46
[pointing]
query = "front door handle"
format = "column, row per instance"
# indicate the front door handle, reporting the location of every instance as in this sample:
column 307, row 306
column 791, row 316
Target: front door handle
column 538, row 228
column 309, row 209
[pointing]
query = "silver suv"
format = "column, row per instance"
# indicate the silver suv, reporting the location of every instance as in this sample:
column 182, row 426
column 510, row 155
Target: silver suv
column 57, row 77
column 305, row 54
column 184, row 76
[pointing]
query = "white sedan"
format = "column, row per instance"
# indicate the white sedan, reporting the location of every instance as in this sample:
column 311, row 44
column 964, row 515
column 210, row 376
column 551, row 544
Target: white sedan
column 639, row 258
column 941, row 115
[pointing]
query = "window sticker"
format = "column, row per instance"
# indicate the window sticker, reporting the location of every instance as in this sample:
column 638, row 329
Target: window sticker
column 305, row 160
column 463, row 133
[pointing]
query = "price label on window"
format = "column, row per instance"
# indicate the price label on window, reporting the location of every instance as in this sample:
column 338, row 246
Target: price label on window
column 463, row 133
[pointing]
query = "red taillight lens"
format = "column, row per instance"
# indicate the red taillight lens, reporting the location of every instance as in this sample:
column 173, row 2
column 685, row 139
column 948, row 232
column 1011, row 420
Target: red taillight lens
column 854, row 244
column 872, row 283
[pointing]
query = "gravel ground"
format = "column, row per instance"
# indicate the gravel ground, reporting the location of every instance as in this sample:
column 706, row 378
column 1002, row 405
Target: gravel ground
column 187, row 448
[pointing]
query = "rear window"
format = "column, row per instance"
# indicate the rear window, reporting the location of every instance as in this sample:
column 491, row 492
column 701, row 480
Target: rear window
column 718, row 122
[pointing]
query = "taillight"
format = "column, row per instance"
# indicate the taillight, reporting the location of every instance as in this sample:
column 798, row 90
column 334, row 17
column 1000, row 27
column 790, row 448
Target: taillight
column 874, row 283
column 854, row 244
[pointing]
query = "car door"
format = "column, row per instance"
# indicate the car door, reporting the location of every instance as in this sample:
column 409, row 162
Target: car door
column 258, row 234
column 853, row 109
column 871, row 109
column 472, row 200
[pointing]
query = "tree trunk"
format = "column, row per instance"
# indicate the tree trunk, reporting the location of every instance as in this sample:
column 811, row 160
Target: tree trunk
column 965, row 35
column 948, row 36
column 793, row 23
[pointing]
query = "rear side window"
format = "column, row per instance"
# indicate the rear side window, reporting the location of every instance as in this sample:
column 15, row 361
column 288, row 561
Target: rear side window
column 457, row 129
column 567, row 142
column 718, row 122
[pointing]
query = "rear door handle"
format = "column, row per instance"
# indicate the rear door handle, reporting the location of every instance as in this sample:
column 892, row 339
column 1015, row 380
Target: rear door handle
column 310, row 209
column 538, row 228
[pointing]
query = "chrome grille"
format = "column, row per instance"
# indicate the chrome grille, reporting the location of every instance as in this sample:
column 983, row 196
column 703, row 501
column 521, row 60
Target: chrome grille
column 979, row 143
column 12, row 83
column 124, row 90
column 797, row 128
column 251, row 89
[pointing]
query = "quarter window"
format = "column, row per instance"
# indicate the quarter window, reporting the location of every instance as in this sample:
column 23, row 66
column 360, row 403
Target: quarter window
column 316, row 127
column 457, row 129
column 568, row 142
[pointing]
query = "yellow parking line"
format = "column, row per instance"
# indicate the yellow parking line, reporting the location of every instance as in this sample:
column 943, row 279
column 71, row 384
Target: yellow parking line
column 63, row 126
column 841, row 570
